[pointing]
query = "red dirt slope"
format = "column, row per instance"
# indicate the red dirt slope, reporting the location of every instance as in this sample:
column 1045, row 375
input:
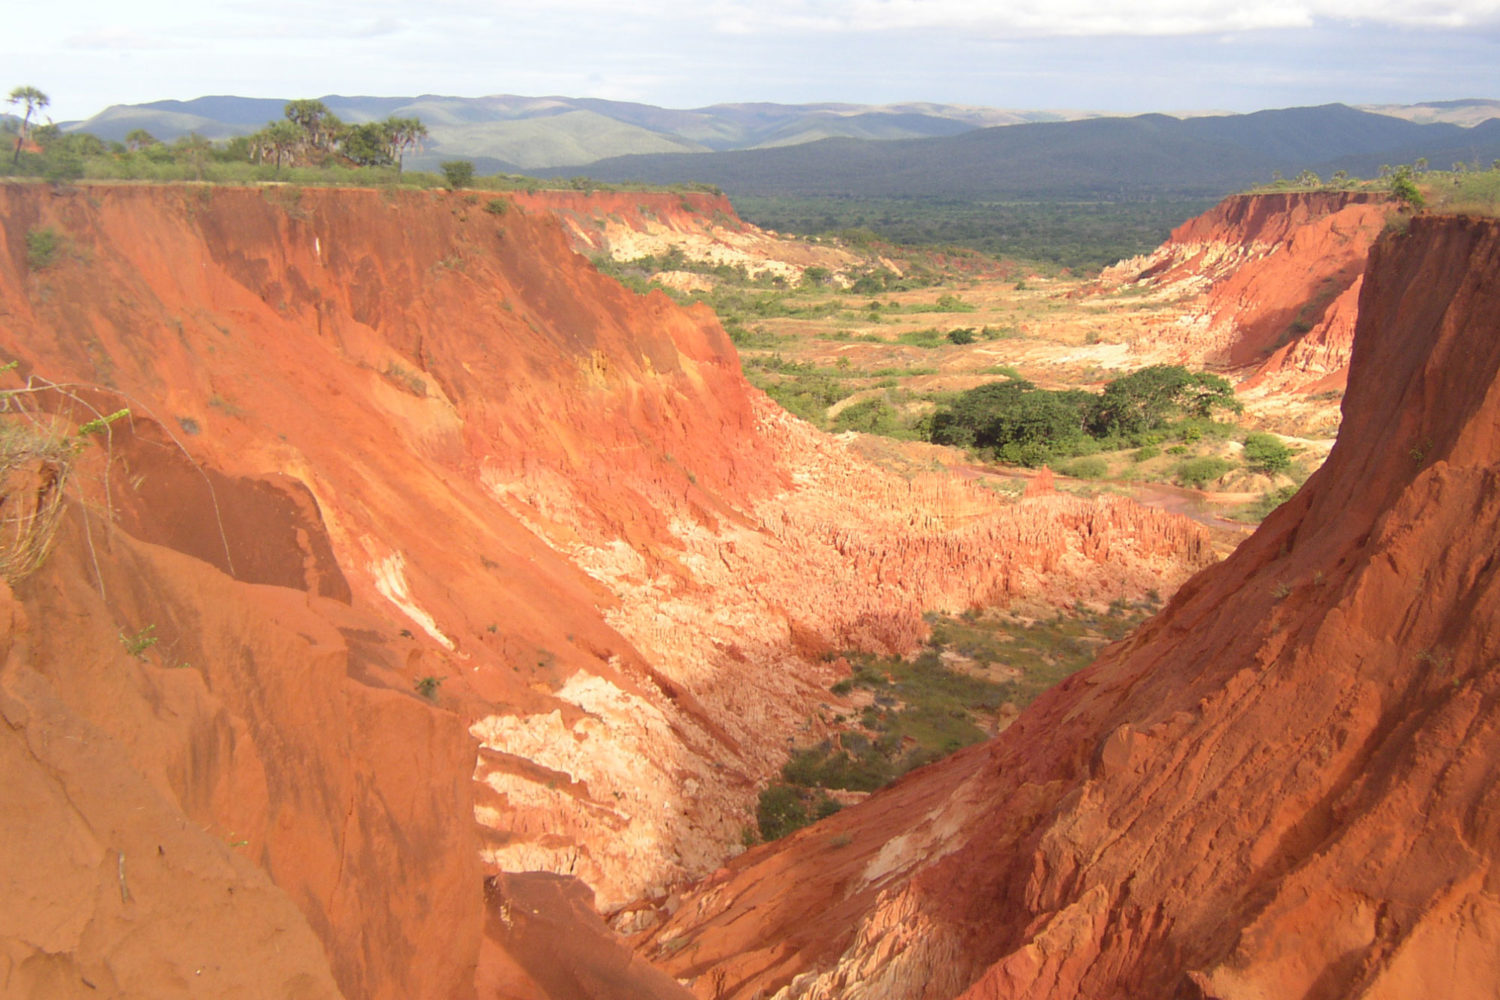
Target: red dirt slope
column 1267, row 279
column 1282, row 786
column 384, row 442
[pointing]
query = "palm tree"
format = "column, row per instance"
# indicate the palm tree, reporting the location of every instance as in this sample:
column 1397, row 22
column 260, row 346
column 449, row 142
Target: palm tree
column 279, row 140
column 34, row 100
column 404, row 134
column 321, row 128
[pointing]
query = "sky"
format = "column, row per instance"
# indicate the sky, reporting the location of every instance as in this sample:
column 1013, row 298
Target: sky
column 1150, row 55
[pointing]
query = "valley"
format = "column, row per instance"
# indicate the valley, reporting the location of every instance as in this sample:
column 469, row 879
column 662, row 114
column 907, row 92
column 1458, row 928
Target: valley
column 872, row 340
column 403, row 475
column 456, row 571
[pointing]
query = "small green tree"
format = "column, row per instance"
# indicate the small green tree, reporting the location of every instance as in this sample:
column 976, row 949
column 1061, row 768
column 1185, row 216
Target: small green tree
column 1265, row 453
column 277, row 142
column 1404, row 189
column 33, row 100
column 458, row 173
column 1142, row 400
column 368, row 145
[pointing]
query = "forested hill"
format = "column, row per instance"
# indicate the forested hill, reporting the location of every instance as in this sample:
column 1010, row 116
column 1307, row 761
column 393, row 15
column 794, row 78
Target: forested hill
column 1101, row 158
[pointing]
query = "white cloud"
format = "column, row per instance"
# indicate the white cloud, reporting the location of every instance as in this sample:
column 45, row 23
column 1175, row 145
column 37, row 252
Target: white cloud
column 1033, row 18
column 119, row 37
column 1112, row 55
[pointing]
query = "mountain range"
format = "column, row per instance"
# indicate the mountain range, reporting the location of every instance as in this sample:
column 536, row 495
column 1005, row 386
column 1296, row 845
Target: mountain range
column 833, row 148
column 1148, row 156
column 511, row 133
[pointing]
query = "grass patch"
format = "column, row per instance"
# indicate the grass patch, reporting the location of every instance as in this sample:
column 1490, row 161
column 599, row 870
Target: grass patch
column 43, row 247
column 952, row 694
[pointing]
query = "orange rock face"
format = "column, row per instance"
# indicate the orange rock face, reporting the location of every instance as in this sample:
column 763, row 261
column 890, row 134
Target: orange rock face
column 1282, row 785
column 627, row 225
column 1269, row 280
column 431, row 523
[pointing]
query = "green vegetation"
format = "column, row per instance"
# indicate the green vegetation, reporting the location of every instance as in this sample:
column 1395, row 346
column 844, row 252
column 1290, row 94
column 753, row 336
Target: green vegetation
column 32, row 100
column 308, row 146
column 950, row 695
column 1087, row 467
column 1265, row 453
column 136, row 643
column 42, row 248
column 457, row 173
column 1472, row 191
column 428, row 686
column 1016, row 422
column 1079, row 235
column 873, row 416
column 1404, row 189
column 1201, row 470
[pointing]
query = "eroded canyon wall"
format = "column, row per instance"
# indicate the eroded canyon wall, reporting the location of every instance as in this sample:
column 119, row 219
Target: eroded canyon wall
column 1268, row 282
column 429, row 522
column 1280, row 786
column 694, row 225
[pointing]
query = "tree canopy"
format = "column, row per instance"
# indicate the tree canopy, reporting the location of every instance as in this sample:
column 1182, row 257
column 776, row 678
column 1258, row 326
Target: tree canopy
column 1020, row 423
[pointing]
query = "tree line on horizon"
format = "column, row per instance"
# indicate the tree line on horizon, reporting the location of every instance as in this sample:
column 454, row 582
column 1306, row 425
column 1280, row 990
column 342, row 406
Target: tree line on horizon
column 308, row 136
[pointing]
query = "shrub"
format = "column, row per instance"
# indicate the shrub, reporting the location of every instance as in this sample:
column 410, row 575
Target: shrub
column 428, row 686
column 42, row 248
column 1265, row 453
column 826, row 806
column 497, row 206
column 779, row 812
column 1199, row 472
column 870, row 416
column 1405, row 190
column 1091, row 467
column 457, row 173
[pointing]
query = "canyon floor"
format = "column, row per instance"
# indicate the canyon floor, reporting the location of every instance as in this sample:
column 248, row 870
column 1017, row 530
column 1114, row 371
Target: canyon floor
column 871, row 344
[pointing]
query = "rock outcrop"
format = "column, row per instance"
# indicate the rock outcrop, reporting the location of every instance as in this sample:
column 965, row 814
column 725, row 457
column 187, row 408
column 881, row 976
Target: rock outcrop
column 403, row 475
column 1280, row 786
column 1268, row 281
column 695, row 225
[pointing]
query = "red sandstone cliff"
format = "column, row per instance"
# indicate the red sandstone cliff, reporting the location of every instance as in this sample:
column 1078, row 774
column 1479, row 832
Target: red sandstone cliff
column 1269, row 280
column 702, row 227
column 382, row 438
column 1282, row 786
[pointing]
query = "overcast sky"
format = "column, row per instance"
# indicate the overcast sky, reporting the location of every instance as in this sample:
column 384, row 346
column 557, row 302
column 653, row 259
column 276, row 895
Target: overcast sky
column 1158, row 55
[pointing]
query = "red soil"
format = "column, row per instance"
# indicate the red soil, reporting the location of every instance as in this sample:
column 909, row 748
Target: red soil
column 1282, row 786
column 378, row 438
column 1272, row 281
